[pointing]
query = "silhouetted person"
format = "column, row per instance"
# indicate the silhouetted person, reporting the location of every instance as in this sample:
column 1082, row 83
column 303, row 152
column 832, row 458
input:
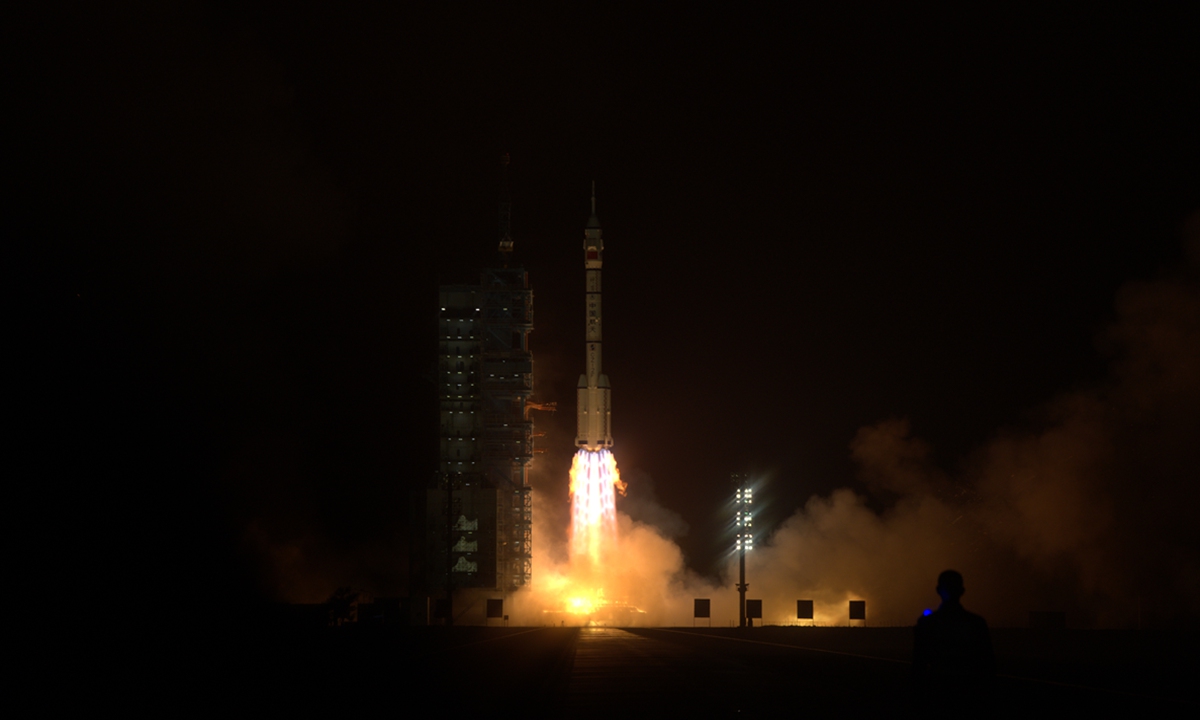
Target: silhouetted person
column 953, row 664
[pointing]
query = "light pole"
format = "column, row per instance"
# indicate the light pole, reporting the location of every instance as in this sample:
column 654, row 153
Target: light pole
column 745, row 537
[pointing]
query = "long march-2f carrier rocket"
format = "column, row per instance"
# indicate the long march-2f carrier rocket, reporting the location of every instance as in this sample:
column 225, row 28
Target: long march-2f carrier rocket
column 593, row 396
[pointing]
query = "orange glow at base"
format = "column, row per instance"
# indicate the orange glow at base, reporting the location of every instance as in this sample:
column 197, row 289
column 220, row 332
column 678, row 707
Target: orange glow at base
column 594, row 541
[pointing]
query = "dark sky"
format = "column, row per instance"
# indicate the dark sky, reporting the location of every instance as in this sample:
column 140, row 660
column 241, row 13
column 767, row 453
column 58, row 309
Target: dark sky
column 231, row 221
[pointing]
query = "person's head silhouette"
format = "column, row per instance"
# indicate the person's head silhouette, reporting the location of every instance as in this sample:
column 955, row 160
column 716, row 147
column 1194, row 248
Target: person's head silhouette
column 950, row 586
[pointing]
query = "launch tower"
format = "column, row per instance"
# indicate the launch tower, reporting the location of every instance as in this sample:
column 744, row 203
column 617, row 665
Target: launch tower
column 478, row 517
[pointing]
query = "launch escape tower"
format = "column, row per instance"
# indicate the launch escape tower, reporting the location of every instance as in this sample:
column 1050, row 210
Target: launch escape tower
column 479, row 515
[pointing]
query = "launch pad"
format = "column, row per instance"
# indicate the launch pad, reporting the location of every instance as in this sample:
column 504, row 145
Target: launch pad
column 603, row 614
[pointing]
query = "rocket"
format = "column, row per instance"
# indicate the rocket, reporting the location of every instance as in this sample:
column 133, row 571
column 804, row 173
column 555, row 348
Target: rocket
column 593, row 395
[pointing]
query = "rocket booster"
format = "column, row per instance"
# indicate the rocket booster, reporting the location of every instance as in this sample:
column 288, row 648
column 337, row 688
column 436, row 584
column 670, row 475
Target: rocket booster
column 593, row 395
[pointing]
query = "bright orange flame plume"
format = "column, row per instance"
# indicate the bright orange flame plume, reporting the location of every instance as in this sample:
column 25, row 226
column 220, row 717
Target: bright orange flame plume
column 595, row 483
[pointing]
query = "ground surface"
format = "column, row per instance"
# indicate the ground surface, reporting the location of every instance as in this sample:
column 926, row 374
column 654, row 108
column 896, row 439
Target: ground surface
column 685, row 672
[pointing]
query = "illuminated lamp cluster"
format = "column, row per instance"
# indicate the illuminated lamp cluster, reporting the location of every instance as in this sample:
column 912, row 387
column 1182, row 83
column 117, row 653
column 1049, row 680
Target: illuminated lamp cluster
column 743, row 520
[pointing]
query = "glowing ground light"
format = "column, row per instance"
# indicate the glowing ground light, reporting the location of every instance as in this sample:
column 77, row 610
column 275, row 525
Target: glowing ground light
column 581, row 605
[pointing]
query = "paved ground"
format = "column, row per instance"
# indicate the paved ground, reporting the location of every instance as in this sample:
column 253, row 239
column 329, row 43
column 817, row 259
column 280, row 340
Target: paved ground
column 704, row 673
column 652, row 672
column 832, row 672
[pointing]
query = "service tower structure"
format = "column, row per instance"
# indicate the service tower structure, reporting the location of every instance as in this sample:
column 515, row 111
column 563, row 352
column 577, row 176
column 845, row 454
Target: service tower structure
column 594, row 395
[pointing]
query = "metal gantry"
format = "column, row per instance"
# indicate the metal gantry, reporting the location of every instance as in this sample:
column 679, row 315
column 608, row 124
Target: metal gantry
column 480, row 513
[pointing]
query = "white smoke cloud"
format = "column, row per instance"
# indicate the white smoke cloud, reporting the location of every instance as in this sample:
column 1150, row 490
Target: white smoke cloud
column 1087, row 511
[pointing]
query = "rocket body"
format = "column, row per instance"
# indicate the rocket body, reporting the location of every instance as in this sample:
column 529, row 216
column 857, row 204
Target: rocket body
column 594, row 394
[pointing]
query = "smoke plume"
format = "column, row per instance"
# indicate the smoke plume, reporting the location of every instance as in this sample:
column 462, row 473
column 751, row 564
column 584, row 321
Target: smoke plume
column 1086, row 509
column 649, row 574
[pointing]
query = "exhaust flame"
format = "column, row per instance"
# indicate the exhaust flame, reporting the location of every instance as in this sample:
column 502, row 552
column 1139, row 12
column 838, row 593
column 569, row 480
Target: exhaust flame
column 594, row 484
column 612, row 570
column 594, row 561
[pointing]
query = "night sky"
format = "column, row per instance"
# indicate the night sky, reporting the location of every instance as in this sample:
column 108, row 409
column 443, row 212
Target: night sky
column 230, row 222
